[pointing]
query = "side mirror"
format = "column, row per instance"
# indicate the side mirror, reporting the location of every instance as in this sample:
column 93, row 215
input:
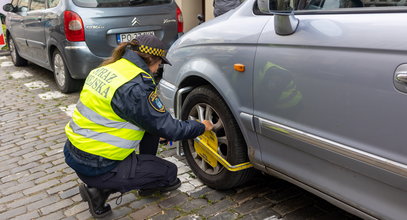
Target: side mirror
column 8, row 7
column 285, row 23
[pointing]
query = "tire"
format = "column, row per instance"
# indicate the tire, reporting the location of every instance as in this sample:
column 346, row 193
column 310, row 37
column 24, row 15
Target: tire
column 63, row 79
column 232, row 146
column 15, row 56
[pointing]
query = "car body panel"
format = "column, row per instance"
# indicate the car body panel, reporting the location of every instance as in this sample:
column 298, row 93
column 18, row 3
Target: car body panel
column 323, row 111
column 213, row 57
column 345, row 83
column 38, row 33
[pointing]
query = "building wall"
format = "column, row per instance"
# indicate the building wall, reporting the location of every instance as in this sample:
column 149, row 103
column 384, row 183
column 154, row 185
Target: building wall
column 190, row 10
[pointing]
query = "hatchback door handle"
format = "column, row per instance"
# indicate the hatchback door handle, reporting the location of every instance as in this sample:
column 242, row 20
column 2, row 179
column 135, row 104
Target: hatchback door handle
column 402, row 76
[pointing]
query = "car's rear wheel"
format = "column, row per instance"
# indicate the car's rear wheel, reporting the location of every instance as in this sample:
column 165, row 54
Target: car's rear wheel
column 15, row 56
column 65, row 82
column 203, row 103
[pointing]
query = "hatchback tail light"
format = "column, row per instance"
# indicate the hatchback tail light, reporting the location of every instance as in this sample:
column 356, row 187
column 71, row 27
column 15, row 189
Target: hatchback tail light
column 180, row 21
column 73, row 25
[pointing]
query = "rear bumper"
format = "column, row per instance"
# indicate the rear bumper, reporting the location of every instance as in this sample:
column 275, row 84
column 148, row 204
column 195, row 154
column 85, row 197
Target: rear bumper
column 80, row 60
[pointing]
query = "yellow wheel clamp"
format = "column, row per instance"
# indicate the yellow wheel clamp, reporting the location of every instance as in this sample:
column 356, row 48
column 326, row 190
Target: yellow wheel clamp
column 206, row 146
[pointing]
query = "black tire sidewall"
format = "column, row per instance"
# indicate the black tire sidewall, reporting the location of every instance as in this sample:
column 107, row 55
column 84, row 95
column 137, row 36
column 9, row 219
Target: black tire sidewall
column 224, row 179
column 19, row 61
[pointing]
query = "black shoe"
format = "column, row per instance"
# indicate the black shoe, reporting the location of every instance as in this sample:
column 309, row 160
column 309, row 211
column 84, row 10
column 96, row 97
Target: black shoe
column 148, row 192
column 96, row 199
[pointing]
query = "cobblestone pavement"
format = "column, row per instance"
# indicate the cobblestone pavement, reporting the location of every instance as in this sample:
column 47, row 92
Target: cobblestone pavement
column 35, row 182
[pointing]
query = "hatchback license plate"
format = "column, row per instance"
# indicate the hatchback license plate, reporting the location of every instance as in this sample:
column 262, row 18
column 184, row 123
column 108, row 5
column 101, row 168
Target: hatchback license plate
column 130, row 36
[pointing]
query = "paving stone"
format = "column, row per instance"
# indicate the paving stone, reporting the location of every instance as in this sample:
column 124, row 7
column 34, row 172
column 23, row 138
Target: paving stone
column 201, row 192
column 31, row 177
column 310, row 212
column 42, row 167
column 125, row 199
column 84, row 215
column 48, row 177
column 62, row 187
column 252, row 205
column 27, row 200
column 41, row 186
column 146, row 212
column 53, row 216
column 56, row 168
column 14, row 176
column 118, row 213
column 285, row 194
column 56, row 206
column 262, row 214
column 10, row 213
column 194, row 204
column 142, row 202
column 166, row 214
column 43, row 202
column 191, row 217
column 215, row 195
column 11, row 197
column 69, row 193
column 30, row 215
column 291, row 205
column 18, row 187
column 173, row 201
column 71, row 211
column 217, row 207
column 225, row 216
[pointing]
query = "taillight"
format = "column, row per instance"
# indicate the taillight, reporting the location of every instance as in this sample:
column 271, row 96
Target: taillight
column 73, row 26
column 180, row 20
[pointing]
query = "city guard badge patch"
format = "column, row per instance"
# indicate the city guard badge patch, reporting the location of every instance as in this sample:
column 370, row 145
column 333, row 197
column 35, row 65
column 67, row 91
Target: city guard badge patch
column 155, row 102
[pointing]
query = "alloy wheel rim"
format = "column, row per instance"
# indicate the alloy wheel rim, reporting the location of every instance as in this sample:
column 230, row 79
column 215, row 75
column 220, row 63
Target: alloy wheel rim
column 203, row 111
column 59, row 69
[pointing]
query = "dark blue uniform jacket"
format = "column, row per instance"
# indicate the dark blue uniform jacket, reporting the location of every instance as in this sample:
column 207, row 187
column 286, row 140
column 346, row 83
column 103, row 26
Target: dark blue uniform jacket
column 132, row 103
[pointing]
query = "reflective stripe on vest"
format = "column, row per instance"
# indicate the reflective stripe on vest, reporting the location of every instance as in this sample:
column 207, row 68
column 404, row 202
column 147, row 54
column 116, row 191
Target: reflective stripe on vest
column 95, row 127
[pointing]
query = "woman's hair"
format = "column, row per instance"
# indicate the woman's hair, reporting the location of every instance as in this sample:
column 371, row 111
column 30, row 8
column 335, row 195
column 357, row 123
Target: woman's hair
column 118, row 53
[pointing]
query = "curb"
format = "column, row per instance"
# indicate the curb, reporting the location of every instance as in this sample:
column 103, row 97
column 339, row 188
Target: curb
column 4, row 53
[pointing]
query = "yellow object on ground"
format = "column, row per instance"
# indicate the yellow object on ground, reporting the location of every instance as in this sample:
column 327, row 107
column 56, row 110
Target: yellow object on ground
column 206, row 147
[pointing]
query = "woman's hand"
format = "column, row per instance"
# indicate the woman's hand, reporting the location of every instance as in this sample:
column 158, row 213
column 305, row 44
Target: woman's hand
column 208, row 125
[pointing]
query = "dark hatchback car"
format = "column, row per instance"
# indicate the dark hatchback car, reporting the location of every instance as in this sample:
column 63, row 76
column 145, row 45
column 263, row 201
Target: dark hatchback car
column 71, row 38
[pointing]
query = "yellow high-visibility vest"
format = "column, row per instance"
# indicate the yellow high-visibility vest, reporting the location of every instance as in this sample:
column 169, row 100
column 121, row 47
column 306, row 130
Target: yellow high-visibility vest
column 95, row 128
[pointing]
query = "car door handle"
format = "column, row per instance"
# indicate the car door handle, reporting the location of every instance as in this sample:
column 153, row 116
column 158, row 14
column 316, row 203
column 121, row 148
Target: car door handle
column 402, row 76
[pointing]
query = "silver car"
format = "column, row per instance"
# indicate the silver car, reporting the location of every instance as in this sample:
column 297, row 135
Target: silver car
column 311, row 91
column 71, row 37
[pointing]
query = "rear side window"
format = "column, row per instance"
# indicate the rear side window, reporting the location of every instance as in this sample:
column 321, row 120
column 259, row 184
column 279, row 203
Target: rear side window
column 118, row 3
column 336, row 4
column 37, row 4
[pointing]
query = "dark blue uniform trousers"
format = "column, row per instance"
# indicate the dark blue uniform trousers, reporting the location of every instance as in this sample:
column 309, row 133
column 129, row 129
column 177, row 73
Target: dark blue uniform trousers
column 137, row 171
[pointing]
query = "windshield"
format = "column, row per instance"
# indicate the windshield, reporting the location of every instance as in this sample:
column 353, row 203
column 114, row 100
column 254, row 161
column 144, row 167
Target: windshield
column 118, row 3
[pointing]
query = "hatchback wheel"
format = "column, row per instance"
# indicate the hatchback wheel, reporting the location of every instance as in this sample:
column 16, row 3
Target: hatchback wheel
column 15, row 56
column 203, row 103
column 65, row 82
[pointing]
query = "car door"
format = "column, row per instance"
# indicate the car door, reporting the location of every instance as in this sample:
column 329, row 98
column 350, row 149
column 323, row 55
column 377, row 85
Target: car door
column 34, row 24
column 329, row 109
column 16, row 25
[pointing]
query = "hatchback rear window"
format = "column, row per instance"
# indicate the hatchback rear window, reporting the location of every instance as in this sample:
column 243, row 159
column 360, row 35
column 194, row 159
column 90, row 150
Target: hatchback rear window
column 118, row 3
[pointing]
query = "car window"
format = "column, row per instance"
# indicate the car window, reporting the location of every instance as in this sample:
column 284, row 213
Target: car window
column 53, row 3
column 118, row 3
column 22, row 5
column 337, row 4
column 284, row 5
column 37, row 4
